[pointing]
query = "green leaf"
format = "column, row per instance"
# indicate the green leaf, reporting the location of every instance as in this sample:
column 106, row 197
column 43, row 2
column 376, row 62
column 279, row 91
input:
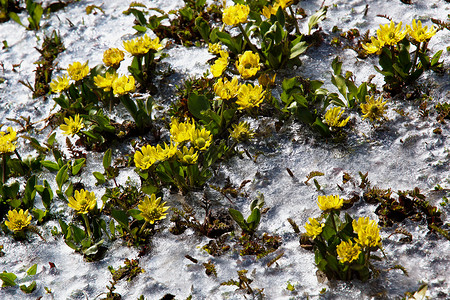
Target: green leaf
column 254, row 219
column 135, row 213
column 203, row 27
column 239, row 218
column 32, row 270
column 140, row 28
column 120, row 216
column 316, row 18
column 435, row 59
column 28, row 289
column 51, row 166
column 298, row 49
column 62, row 177
column 16, row 18
column 100, row 178
column 77, row 167
column 107, row 157
column 30, row 192
column 8, row 279
column 197, row 104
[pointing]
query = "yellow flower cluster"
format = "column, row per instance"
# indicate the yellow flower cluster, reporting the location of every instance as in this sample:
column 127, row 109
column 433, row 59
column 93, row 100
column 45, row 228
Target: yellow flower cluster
column 220, row 64
column 7, row 139
column 83, row 201
column 226, row 89
column 347, row 251
column 333, row 117
column 152, row 210
column 250, row 96
column 105, row 82
column 112, row 57
column 236, row 14
column 373, row 109
column 181, row 132
column 18, row 220
column 331, row 202
column 248, row 64
column 72, row 126
column 390, row 34
column 241, row 131
column 267, row 11
column 142, row 45
column 368, row 232
column 215, row 48
column 78, row 71
column 314, row 228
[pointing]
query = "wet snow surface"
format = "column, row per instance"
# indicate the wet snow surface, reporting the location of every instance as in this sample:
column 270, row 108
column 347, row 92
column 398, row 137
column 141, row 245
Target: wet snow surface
column 401, row 155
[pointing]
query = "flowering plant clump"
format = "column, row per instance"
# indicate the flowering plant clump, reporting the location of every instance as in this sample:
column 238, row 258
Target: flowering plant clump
column 343, row 248
column 399, row 66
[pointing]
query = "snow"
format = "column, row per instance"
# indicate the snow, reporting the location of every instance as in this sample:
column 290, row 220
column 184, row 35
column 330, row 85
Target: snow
column 402, row 155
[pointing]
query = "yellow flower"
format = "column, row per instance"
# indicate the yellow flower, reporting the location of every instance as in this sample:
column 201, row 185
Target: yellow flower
column 368, row 232
column 330, row 202
column 215, row 48
column 220, row 64
column 18, row 220
column 347, row 251
column 226, row 89
column 373, row 109
column 78, row 71
column 112, row 57
column 181, row 132
column 168, row 151
column 391, row 34
column 145, row 158
column 267, row 11
column 59, row 84
column 201, row 139
column 241, row 131
column 376, row 46
column 153, row 44
column 248, row 64
column 141, row 45
column 187, row 156
column 83, row 202
column 284, row 3
column 7, row 143
column 236, row 14
column 250, row 96
column 419, row 33
column 105, row 82
column 152, row 210
column 314, row 228
column 72, row 126
column 123, row 85
column 333, row 117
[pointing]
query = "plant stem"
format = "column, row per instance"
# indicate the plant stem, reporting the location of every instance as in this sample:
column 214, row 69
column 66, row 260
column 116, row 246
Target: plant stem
column 254, row 49
column 143, row 227
column 297, row 29
column 86, row 221
column 416, row 54
column 4, row 168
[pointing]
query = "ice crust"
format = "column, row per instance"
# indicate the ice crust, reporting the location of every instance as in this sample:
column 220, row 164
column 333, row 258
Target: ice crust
column 402, row 155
